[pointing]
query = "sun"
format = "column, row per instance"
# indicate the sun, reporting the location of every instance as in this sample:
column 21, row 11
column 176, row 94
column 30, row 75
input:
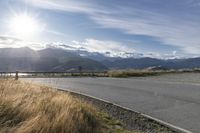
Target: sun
column 24, row 25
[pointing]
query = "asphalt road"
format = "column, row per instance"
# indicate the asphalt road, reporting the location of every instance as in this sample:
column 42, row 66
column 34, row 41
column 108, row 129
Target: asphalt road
column 172, row 98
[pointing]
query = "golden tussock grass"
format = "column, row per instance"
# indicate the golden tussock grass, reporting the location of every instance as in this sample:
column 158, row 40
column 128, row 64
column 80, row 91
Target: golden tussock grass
column 27, row 108
column 134, row 73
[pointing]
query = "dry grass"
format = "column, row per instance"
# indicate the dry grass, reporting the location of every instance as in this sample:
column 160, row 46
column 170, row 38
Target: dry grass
column 147, row 72
column 134, row 73
column 27, row 108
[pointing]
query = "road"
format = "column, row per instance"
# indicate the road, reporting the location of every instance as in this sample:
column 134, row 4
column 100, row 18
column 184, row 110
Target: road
column 172, row 98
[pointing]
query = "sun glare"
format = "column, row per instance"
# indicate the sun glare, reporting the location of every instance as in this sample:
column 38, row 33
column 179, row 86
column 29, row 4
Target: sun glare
column 24, row 25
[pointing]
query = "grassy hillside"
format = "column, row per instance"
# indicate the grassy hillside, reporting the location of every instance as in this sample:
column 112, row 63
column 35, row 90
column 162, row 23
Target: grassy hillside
column 27, row 108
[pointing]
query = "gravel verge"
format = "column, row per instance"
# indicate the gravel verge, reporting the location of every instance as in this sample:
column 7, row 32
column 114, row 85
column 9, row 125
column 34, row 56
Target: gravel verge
column 132, row 120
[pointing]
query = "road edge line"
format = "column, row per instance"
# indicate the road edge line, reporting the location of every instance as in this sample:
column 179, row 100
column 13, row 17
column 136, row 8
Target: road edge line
column 161, row 122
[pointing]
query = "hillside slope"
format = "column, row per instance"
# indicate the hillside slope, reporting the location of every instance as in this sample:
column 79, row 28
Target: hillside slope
column 50, row 59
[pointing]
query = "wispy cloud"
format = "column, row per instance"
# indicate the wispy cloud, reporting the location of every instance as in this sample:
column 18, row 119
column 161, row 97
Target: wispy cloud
column 170, row 29
column 55, row 33
column 78, row 6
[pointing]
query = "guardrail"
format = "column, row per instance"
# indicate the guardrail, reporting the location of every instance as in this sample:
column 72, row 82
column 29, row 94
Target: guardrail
column 21, row 74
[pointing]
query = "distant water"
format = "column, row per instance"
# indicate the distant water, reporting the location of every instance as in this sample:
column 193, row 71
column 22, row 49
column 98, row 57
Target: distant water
column 13, row 74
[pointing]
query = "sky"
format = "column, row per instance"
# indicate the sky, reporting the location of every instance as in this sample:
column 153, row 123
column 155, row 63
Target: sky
column 158, row 28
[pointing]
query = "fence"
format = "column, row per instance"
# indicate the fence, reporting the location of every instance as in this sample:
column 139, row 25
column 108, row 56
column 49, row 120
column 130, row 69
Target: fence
column 17, row 74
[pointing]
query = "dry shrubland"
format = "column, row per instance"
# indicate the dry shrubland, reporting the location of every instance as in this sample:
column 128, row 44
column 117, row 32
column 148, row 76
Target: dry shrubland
column 27, row 108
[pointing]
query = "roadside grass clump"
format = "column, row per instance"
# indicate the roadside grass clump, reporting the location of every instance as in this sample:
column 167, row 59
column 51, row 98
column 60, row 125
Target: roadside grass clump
column 30, row 108
column 134, row 73
column 27, row 108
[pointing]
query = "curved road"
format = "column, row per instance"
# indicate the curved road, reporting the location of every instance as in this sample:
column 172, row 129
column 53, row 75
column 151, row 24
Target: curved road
column 172, row 98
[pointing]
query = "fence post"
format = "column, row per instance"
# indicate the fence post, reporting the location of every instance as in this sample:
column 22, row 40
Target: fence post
column 80, row 70
column 16, row 75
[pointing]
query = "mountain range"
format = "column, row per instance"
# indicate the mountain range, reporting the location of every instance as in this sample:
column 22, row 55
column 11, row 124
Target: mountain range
column 50, row 59
column 57, row 59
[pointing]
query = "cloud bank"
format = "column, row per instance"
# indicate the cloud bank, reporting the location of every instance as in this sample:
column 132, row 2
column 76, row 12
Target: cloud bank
column 91, row 45
column 12, row 42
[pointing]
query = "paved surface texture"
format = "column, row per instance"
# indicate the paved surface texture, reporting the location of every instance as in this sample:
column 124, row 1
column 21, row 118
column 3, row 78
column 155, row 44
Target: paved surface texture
column 173, row 98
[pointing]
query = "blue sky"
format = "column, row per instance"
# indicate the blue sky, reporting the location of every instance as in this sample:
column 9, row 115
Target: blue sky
column 153, row 27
